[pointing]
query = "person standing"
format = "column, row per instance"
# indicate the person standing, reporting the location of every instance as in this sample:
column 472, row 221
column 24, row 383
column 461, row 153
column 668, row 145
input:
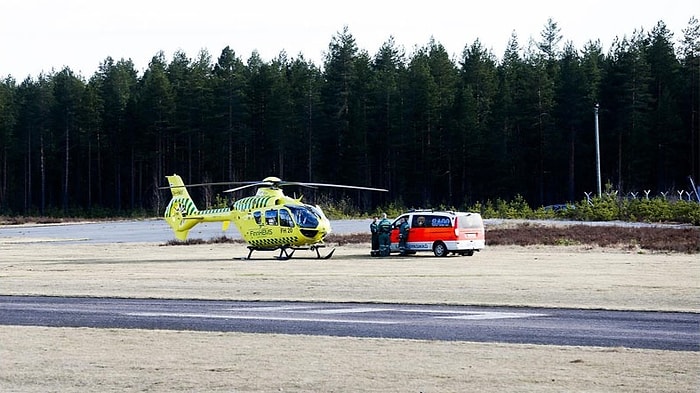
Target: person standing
column 384, row 236
column 403, row 235
column 374, row 230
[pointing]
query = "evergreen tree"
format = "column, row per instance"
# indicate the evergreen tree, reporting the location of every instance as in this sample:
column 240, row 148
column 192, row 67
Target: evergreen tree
column 545, row 135
column 571, row 109
column 332, row 150
column 68, row 91
column 36, row 140
column 8, row 119
column 90, row 119
column 628, row 102
column 510, row 175
column 281, row 109
column 387, row 125
column 666, row 126
column 690, row 60
column 116, row 85
column 158, row 142
column 476, row 144
column 592, row 67
column 304, row 88
column 229, row 112
column 264, row 140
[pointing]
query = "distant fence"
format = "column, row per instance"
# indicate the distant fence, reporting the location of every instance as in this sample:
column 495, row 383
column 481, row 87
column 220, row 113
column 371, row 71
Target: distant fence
column 676, row 195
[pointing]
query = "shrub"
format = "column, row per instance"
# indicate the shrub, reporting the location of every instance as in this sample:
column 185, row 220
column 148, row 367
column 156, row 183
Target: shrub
column 685, row 211
column 648, row 210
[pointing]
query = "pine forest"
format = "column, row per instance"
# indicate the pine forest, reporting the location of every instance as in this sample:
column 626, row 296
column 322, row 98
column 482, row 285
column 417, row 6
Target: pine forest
column 434, row 129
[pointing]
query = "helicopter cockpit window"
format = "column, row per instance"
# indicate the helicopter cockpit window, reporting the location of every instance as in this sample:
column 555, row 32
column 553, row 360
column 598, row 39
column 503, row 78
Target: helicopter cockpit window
column 257, row 217
column 304, row 217
column 286, row 219
column 271, row 217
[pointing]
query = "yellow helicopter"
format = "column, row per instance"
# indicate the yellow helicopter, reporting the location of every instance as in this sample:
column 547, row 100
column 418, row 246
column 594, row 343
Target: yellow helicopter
column 267, row 221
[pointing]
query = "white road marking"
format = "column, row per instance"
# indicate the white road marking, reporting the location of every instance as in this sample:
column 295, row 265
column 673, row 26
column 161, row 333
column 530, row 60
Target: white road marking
column 270, row 308
column 491, row 315
column 348, row 310
column 253, row 314
column 256, row 317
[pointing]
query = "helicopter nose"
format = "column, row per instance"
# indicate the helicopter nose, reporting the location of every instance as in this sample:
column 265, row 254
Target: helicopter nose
column 319, row 233
column 324, row 227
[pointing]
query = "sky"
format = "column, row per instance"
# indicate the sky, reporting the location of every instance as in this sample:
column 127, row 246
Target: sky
column 41, row 36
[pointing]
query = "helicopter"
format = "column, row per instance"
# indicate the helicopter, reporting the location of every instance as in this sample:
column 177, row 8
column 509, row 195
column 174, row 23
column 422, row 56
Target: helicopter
column 267, row 221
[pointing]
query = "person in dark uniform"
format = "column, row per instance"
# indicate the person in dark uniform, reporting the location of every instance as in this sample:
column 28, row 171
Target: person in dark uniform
column 374, row 230
column 384, row 236
column 403, row 235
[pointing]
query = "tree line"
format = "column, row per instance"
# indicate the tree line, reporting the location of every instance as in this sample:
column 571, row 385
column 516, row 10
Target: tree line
column 435, row 131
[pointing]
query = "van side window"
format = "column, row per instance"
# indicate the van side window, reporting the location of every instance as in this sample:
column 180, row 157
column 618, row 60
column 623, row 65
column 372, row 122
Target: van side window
column 418, row 222
column 439, row 221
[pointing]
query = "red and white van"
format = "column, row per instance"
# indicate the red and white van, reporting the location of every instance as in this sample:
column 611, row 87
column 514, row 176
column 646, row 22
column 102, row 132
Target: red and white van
column 442, row 232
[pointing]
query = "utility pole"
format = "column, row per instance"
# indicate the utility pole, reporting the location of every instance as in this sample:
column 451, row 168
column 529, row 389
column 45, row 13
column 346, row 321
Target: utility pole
column 597, row 151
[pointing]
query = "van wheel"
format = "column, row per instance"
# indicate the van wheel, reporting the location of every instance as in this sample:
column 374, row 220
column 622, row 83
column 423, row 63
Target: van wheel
column 440, row 249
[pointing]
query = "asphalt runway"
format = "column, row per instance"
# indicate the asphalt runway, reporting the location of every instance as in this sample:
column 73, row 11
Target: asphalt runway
column 631, row 329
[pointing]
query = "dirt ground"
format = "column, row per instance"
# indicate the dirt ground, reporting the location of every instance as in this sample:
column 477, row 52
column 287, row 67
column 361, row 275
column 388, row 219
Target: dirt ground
column 36, row 359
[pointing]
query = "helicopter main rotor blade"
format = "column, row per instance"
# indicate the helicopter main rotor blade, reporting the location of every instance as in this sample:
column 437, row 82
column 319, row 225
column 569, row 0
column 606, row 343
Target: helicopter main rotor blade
column 223, row 183
column 345, row 186
column 270, row 184
column 293, row 183
column 302, row 184
column 256, row 184
column 274, row 183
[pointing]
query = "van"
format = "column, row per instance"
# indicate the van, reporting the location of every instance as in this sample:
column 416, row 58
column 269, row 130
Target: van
column 442, row 232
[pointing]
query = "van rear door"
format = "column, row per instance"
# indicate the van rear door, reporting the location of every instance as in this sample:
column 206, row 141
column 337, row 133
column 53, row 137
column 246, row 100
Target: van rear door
column 470, row 227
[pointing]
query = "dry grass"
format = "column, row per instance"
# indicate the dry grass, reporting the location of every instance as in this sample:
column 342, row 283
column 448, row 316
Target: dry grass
column 36, row 359
column 685, row 240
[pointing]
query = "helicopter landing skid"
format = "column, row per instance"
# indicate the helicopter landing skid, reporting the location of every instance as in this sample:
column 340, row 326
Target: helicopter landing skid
column 287, row 252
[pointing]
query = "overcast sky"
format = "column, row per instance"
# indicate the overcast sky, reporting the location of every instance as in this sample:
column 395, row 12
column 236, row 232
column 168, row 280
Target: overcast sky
column 43, row 35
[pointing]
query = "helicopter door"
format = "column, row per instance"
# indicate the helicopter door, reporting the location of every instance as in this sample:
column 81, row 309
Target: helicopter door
column 286, row 219
column 281, row 220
